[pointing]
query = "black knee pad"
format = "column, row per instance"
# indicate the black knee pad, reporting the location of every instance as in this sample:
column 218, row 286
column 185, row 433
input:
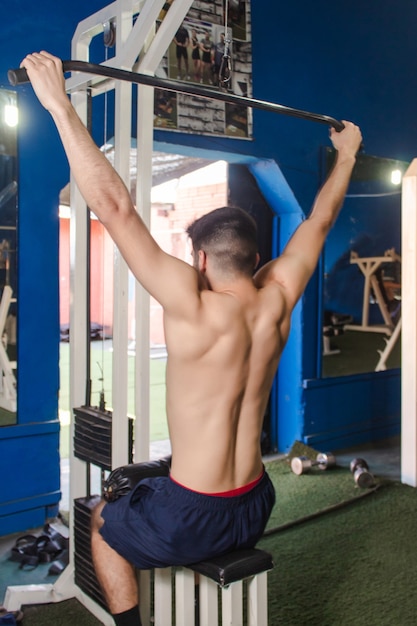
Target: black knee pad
column 122, row 479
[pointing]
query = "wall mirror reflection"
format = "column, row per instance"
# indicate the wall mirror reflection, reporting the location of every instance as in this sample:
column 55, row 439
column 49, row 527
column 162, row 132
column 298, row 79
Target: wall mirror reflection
column 362, row 271
column 8, row 255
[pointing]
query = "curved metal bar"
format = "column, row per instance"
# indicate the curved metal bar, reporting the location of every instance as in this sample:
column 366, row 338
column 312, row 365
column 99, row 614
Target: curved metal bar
column 19, row 76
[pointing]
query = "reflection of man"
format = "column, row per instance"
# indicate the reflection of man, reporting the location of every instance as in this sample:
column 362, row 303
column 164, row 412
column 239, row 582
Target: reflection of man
column 165, row 112
column 221, row 62
column 236, row 9
column 182, row 41
column 236, row 121
column 4, row 262
column 206, row 46
column 164, row 106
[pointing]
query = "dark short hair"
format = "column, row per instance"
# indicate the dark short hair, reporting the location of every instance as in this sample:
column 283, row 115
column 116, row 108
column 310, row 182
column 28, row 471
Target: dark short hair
column 229, row 235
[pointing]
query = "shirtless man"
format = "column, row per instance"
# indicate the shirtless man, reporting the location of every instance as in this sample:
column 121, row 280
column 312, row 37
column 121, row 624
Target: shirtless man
column 225, row 331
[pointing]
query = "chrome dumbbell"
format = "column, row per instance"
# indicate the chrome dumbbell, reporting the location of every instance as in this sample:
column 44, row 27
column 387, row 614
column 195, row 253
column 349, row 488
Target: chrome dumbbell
column 361, row 474
column 302, row 464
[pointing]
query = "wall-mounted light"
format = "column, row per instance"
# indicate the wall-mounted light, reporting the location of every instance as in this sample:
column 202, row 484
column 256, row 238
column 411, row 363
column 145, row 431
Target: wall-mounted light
column 11, row 115
column 396, row 177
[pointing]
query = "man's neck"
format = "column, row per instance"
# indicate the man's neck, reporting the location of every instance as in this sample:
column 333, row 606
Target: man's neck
column 233, row 286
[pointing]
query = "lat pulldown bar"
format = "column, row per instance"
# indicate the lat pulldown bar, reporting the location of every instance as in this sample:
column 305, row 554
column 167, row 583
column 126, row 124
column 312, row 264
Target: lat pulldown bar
column 19, row 76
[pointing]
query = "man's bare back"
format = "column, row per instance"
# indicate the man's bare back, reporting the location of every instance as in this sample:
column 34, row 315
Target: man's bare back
column 219, row 375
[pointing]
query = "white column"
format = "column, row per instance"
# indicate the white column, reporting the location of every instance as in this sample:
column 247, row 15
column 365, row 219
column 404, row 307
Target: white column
column 121, row 287
column 208, row 602
column 184, row 597
column 122, row 144
column 163, row 597
column 257, row 601
column 142, row 301
column 409, row 324
column 232, row 604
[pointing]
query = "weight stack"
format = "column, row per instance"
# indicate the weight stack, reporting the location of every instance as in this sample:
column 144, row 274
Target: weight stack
column 84, row 574
column 93, row 436
column 92, row 444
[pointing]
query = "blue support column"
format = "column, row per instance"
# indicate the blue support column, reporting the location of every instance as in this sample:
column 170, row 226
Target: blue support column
column 286, row 393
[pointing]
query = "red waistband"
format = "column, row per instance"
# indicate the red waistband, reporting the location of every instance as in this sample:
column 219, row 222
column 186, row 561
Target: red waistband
column 239, row 491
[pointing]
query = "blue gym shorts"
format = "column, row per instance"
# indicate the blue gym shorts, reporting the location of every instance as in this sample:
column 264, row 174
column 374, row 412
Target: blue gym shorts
column 161, row 523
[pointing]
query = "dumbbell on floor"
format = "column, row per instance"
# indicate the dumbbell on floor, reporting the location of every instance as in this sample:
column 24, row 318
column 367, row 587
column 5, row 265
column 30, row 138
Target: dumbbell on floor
column 361, row 474
column 302, row 464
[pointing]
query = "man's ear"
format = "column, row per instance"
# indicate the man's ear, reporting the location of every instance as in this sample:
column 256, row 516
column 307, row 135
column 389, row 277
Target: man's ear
column 202, row 261
column 258, row 258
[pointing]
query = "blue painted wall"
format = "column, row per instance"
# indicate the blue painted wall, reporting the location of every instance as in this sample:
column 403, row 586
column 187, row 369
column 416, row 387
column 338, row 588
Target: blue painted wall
column 29, row 452
column 347, row 60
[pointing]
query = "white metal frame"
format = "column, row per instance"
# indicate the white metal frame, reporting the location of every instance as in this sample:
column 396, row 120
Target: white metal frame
column 368, row 267
column 136, row 45
column 226, row 608
column 390, row 344
column 409, row 327
column 8, row 395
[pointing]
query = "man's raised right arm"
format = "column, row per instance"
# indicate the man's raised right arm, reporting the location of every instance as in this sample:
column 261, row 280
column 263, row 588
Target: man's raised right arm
column 99, row 183
column 104, row 191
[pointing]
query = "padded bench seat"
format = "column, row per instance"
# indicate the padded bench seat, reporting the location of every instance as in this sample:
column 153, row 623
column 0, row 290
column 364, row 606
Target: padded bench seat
column 231, row 573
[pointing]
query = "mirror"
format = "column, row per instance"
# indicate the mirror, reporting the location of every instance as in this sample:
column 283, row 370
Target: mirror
column 8, row 254
column 362, row 271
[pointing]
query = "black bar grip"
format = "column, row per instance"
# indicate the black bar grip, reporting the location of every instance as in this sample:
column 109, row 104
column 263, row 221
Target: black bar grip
column 20, row 76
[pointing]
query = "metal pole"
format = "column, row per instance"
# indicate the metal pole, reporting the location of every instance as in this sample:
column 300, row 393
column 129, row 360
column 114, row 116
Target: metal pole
column 19, row 76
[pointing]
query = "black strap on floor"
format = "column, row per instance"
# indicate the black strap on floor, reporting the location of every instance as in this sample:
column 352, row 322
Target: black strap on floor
column 30, row 550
